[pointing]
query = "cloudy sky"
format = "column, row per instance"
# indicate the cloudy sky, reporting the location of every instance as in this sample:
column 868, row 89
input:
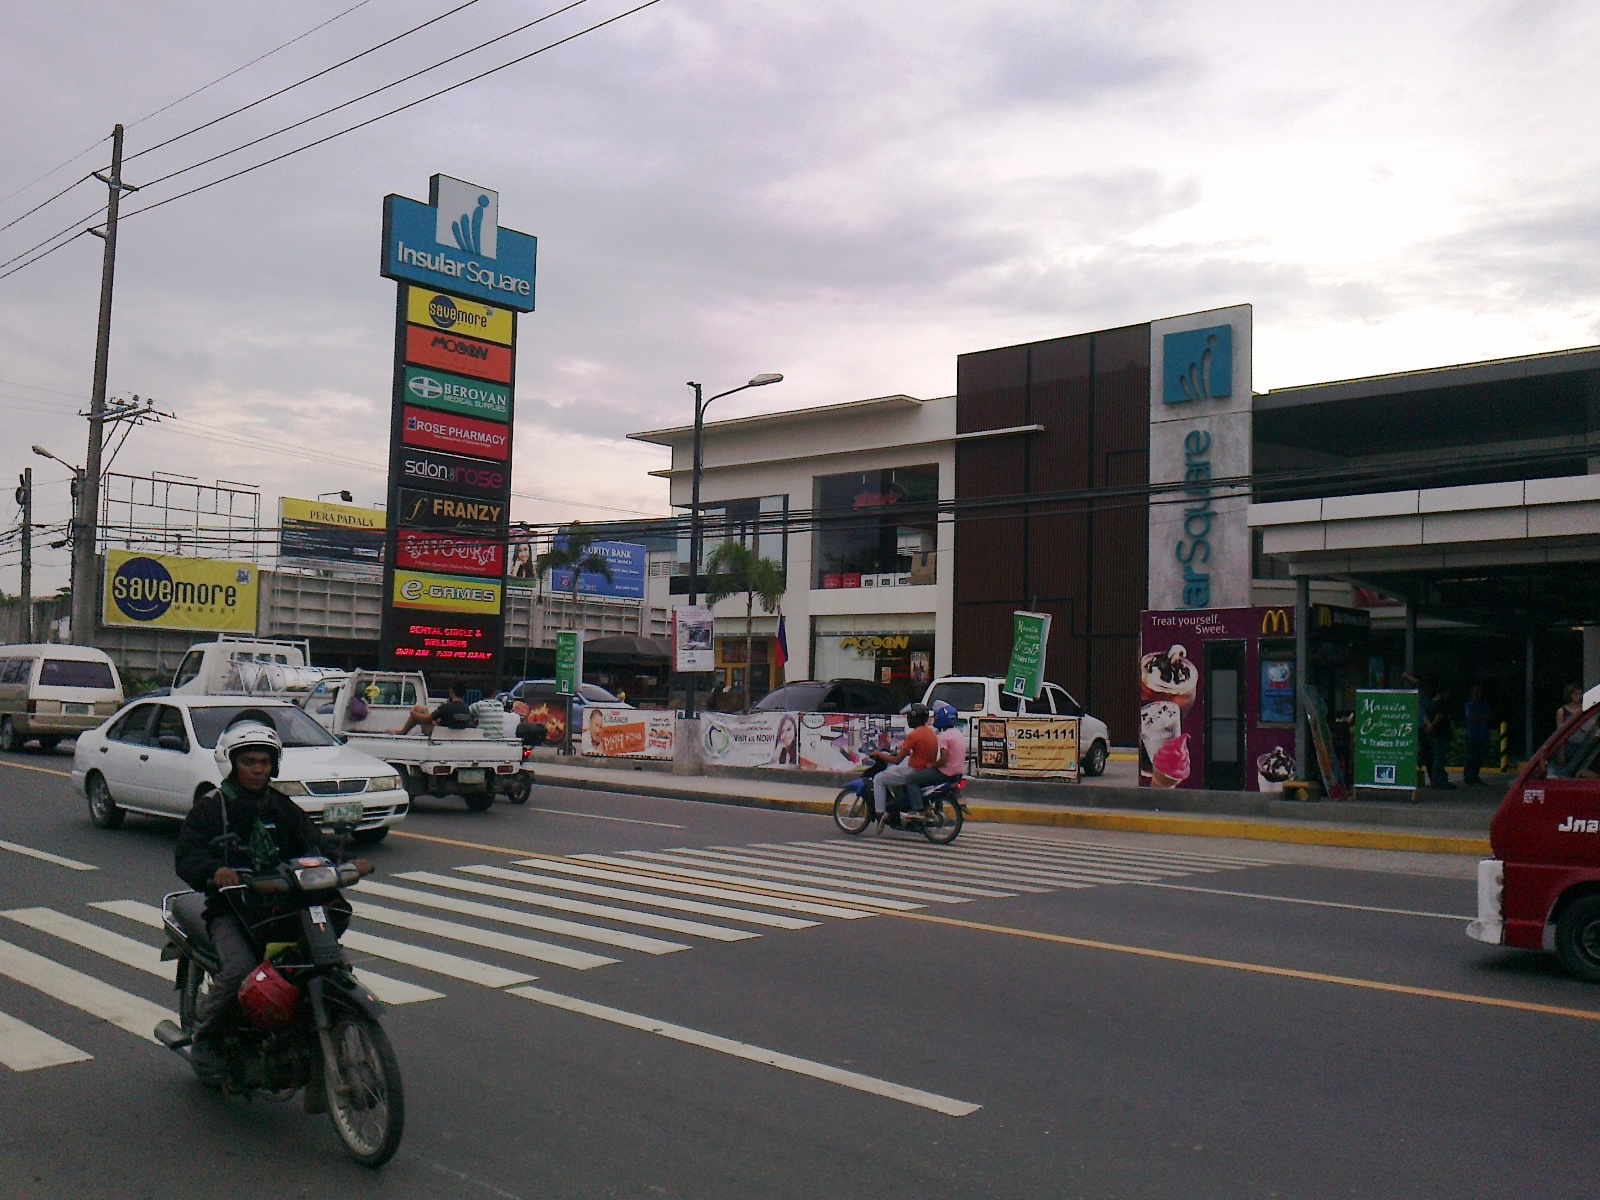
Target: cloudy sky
column 849, row 194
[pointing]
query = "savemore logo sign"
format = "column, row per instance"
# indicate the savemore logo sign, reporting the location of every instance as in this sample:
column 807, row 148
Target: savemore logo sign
column 166, row 592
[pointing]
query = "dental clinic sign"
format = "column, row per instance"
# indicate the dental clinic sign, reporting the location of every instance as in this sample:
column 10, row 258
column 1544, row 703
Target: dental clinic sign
column 1200, row 432
column 454, row 244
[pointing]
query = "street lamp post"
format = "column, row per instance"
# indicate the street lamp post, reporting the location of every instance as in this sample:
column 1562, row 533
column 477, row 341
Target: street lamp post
column 694, row 495
column 342, row 493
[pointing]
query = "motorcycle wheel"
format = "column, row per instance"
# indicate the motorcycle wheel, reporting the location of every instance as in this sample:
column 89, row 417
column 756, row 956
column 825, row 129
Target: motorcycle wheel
column 851, row 812
column 365, row 1100
column 942, row 822
column 521, row 789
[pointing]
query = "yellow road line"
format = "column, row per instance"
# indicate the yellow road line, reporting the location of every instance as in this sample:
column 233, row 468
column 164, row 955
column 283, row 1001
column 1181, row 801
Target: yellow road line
column 6, row 762
column 1371, row 985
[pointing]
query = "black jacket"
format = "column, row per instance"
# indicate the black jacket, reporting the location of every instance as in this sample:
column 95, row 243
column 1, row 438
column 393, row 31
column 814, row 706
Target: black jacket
column 229, row 809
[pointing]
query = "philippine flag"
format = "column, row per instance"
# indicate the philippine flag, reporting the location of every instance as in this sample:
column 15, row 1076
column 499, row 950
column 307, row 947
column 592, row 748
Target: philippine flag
column 783, row 643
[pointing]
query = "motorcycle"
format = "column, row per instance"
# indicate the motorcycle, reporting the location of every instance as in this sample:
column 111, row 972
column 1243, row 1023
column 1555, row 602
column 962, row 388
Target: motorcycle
column 314, row 1027
column 940, row 819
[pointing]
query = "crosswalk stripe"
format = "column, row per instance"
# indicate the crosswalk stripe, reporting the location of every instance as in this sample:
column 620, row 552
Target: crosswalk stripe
column 976, row 866
column 126, row 950
column 71, row 864
column 666, row 862
column 490, row 939
column 1002, row 862
column 862, row 881
column 605, row 912
column 888, row 858
column 437, row 961
column 113, row 1005
column 24, row 1048
column 1149, row 854
column 801, row 855
column 390, row 991
column 757, row 1054
column 770, row 920
column 639, row 874
column 469, row 908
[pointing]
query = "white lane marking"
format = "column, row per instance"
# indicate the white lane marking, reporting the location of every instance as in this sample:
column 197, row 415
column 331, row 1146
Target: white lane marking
column 490, row 939
column 860, row 881
column 1397, row 912
column 977, row 865
column 1147, row 853
column 637, row 874
column 604, row 912
column 437, row 961
column 126, row 950
column 566, row 812
column 71, row 864
column 770, row 920
column 857, row 852
column 390, row 991
column 892, row 873
column 122, row 1009
column 24, row 1048
column 668, row 864
column 757, row 1054
column 1003, row 863
column 489, row 912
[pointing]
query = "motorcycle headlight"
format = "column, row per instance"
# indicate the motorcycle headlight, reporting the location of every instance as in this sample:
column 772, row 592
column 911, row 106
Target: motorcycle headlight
column 383, row 783
column 290, row 787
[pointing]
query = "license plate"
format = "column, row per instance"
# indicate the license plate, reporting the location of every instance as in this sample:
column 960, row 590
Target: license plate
column 470, row 775
column 76, row 710
column 335, row 814
column 318, row 916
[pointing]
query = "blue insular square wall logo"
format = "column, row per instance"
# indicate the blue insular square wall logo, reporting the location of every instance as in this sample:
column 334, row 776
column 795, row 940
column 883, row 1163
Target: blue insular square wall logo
column 1197, row 365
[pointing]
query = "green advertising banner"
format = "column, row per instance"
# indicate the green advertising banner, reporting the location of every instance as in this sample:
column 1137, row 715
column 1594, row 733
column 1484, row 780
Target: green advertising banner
column 1385, row 740
column 569, row 662
column 1030, row 632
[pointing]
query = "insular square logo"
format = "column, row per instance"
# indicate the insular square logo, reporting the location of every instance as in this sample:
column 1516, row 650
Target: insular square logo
column 455, row 243
column 1197, row 365
column 469, row 216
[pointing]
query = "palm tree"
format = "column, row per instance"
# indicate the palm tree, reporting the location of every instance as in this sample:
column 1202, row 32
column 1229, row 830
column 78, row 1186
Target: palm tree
column 735, row 569
column 573, row 551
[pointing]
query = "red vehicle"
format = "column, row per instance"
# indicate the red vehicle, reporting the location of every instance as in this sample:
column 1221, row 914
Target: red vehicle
column 1541, row 890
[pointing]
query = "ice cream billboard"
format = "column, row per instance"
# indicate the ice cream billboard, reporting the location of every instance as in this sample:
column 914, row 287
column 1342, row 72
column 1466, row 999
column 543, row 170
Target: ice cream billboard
column 1233, row 659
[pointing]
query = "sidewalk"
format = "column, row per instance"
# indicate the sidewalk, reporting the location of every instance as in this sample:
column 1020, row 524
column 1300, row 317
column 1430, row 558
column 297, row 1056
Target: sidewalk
column 1455, row 822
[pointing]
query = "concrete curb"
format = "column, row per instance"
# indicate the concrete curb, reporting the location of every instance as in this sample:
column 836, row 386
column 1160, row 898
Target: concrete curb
column 1358, row 838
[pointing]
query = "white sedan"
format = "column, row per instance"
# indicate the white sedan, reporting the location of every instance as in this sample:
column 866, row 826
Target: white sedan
column 155, row 756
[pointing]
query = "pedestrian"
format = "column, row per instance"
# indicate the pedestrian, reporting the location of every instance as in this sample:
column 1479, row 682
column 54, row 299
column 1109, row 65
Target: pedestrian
column 1438, row 730
column 1571, row 704
column 1477, row 714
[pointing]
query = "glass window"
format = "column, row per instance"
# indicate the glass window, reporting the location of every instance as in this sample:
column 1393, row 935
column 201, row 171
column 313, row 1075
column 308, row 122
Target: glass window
column 876, row 528
column 15, row 670
column 189, row 668
column 169, row 724
column 75, row 672
column 761, row 523
column 294, row 727
column 964, row 697
column 134, row 726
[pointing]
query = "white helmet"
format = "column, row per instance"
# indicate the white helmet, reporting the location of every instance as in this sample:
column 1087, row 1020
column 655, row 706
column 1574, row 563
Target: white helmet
column 248, row 735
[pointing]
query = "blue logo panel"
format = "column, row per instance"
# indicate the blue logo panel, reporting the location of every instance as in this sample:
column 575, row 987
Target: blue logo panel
column 411, row 253
column 628, row 565
column 1197, row 365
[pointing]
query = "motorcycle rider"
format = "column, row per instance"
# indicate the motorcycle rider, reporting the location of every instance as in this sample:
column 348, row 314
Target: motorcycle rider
column 918, row 752
column 951, row 762
column 271, row 829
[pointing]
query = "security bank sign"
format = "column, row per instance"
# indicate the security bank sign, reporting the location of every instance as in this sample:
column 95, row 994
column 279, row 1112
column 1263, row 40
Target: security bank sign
column 455, row 243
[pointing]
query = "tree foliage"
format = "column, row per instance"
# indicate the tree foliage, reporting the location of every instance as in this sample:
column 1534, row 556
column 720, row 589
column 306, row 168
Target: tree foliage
column 734, row 569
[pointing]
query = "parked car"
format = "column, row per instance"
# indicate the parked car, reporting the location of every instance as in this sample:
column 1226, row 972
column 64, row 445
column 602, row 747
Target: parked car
column 980, row 696
column 836, row 695
column 155, row 756
column 50, row 692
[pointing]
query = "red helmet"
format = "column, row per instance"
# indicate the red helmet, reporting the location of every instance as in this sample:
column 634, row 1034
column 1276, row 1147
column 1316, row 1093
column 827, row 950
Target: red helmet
column 267, row 999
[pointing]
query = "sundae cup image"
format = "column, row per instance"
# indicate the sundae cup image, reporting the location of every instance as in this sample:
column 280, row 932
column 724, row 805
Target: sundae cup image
column 1159, row 722
column 1275, row 768
column 1169, row 766
column 1168, row 676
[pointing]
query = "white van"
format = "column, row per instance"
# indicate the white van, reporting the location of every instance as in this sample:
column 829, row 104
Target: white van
column 52, row 692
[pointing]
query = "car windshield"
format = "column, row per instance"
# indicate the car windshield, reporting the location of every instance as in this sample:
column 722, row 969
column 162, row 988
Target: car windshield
column 75, row 672
column 595, row 694
column 965, row 697
column 1577, row 756
column 293, row 726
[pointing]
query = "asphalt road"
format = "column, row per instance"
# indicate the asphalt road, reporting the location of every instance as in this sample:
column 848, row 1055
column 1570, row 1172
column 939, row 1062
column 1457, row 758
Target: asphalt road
column 1133, row 1016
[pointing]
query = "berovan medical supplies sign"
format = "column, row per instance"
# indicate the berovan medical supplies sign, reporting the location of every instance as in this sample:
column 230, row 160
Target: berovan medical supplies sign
column 159, row 591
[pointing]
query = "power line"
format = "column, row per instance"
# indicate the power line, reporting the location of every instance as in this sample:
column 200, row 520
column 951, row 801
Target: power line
column 42, row 203
column 289, row 88
column 59, row 233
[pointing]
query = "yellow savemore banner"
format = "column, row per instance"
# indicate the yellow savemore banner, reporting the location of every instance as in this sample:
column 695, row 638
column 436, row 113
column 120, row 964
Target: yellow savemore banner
column 453, row 314
column 160, row 591
column 446, row 593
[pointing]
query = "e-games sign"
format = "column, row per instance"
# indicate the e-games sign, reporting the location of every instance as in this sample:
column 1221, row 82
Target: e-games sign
column 454, row 243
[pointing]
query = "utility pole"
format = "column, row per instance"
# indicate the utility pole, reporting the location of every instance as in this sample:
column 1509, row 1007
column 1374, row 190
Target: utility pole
column 84, row 584
column 25, row 501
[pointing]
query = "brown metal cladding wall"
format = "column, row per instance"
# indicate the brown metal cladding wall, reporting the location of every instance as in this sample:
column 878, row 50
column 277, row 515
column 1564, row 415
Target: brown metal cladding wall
column 1081, row 561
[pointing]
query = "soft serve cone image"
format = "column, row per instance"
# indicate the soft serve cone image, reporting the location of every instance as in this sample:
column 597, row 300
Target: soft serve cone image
column 1159, row 722
column 1168, row 675
column 1274, row 769
column 1169, row 766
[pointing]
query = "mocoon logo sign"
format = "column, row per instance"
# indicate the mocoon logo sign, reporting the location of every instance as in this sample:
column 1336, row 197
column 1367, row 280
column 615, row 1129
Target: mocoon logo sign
column 462, row 355
column 446, row 593
column 159, row 591
column 420, row 551
column 452, row 314
column 459, row 435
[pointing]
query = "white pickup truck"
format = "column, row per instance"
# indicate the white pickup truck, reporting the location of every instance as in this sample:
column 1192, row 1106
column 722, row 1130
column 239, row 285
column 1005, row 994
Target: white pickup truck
column 367, row 709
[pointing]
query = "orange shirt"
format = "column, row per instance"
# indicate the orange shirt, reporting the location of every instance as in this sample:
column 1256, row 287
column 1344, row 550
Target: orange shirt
column 922, row 747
